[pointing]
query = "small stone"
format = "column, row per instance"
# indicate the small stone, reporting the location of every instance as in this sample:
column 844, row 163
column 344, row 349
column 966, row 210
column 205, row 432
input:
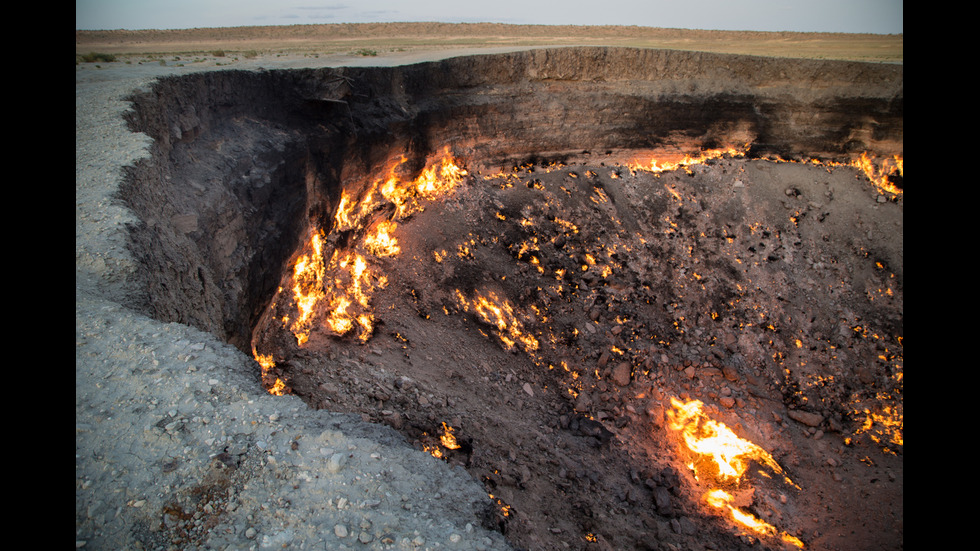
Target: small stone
column 250, row 533
column 527, row 388
column 805, row 417
column 336, row 463
column 661, row 497
column 365, row 537
column 729, row 373
column 621, row 374
column 340, row 531
column 728, row 401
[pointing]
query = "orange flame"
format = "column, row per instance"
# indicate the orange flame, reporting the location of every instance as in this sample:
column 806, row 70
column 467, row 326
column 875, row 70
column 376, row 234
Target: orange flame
column 436, row 180
column 714, row 442
column 723, row 500
column 266, row 363
column 499, row 313
column 448, row 439
column 880, row 173
column 721, row 456
column 381, row 242
column 353, row 285
column 346, row 282
column 308, row 291
column 673, row 161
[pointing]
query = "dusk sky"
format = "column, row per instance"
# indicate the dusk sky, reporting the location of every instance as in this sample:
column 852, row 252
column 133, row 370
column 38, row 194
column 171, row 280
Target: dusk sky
column 849, row 16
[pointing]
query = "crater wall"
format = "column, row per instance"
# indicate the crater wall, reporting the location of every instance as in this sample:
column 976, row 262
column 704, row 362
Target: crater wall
column 244, row 161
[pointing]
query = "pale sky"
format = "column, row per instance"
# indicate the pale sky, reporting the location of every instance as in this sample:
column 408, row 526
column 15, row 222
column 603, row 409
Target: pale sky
column 848, row 16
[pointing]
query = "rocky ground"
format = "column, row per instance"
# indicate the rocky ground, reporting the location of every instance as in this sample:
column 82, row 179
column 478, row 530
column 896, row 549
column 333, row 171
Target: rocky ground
column 769, row 291
column 178, row 446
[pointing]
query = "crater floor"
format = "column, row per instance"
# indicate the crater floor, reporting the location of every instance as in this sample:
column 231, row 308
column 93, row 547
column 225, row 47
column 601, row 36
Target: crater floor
column 770, row 291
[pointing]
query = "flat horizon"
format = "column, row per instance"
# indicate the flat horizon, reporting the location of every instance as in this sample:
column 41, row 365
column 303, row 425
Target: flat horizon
column 805, row 16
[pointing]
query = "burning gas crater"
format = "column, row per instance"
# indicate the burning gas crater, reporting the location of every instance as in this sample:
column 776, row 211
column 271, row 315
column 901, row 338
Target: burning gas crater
column 567, row 275
column 536, row 265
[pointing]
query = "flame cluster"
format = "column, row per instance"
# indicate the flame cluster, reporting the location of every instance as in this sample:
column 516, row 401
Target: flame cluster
column 668, row 162
column 447, row 440
column 354, row 280
column 436, row 180
column 880, row 172
column 273, row 384
column 499, row 313
column 719, row 456
column 339, row 288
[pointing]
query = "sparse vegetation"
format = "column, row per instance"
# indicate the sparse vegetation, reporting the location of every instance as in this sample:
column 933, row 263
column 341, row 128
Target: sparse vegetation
column 370, row 39
column 93, row 57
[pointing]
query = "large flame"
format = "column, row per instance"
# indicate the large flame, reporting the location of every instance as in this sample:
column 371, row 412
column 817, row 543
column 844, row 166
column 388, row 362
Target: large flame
column 881, row 173
column 339, row 289
column 715, row 443
column 724, row 501
column 407, row 197
column 308, row 290
column 381, row 241
column 722, row 457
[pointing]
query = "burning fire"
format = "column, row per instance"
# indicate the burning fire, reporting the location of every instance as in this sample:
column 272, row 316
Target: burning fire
column 714, row 442
column 276, row 387
column 720, row 499
column 722, row 457
column 436, row 180
column 447, row 441
column 381, row 242
column 881, row 173
column 308, row 275
column 499, row 313
column 339, row 289
column 673, row 161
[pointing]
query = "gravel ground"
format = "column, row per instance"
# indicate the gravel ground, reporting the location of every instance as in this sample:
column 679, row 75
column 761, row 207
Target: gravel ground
column 177, row 445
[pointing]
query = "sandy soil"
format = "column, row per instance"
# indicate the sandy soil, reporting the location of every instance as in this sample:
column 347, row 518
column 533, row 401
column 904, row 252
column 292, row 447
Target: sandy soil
column 384, row 39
